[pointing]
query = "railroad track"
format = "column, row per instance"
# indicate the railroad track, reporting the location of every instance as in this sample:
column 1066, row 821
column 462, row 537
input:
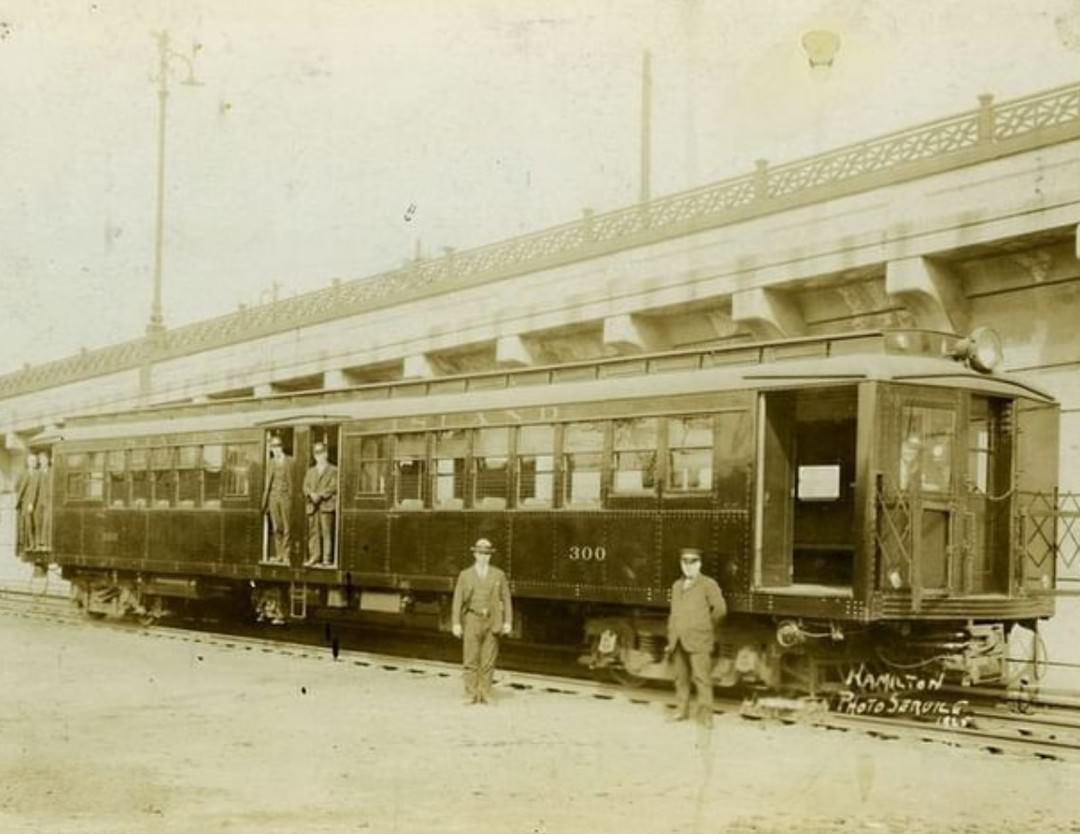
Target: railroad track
column 1049, row 733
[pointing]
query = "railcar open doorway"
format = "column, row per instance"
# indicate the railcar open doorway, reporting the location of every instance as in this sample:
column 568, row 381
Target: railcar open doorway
column 806, row 490
column 279, row 505
column 320, row 483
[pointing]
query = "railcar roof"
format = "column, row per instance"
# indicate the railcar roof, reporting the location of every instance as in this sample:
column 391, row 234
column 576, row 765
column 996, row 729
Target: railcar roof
column 625, row 378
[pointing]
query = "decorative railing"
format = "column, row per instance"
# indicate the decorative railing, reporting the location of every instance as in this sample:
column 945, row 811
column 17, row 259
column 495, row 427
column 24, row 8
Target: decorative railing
column 1050, row 529
column 982, row 133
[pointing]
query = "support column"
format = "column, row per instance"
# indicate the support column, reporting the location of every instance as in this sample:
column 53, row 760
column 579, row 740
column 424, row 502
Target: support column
column 418, row 366
column 513, row 352
column 631, row 334
column 930, row 291
column 769, row 314
column 338, row 379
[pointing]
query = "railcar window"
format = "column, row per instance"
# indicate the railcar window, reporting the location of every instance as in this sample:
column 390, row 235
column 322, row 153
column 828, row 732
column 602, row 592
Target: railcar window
column 926, row 448
column 74, row 488
column 238, row 461
column 372, row 465
column 690, row 454
column 536, row 466
column 583, row 451
column 118, row 487
column 450, row 450
column 213, row 460
column 979, row 445
column 189, row 478
column 140, row 478
column 491, row 469
column 410, row 469
column 634, row 464
column 164, row 476
column 95, row 476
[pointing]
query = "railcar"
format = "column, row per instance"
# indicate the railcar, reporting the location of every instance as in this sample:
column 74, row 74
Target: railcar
column 859, row 497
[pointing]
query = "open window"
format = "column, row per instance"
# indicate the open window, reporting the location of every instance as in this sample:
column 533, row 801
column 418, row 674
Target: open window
column 806, row 489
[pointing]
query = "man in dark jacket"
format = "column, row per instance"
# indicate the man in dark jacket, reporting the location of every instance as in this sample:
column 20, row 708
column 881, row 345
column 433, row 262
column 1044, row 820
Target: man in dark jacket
column 697, row 606
column 480, row 612
column 26, row 492
column 277, row 499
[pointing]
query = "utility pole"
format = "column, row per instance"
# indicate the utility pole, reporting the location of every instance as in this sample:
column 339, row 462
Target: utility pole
column 156, row 326
column 646, row 126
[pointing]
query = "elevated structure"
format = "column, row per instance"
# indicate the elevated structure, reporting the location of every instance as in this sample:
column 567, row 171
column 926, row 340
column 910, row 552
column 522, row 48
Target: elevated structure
column 963, row 221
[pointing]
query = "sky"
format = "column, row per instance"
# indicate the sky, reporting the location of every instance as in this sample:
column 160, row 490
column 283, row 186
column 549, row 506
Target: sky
column 329, row 139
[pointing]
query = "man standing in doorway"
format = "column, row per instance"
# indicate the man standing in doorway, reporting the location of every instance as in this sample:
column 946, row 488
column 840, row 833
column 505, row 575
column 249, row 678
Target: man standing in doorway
column 25, row 498
column 481, row 611
column 277, row 497
column 43, row 504
column 697, row 606
column 320, row 490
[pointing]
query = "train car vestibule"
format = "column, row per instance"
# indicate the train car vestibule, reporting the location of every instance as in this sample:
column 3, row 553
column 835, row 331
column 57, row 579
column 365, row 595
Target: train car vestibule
column 806, row 490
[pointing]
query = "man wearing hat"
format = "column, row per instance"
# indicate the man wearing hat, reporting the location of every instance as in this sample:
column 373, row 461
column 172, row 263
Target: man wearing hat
column 26, row 495
column 320, row 490
column 277, row 495
column 697, row 606
column 481, row 611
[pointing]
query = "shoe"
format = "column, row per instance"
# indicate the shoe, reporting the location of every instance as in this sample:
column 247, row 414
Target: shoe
column 678, row 716
column 483, row 699
column 470, row 700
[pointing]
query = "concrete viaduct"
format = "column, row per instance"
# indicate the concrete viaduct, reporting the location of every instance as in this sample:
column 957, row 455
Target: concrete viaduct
column 965, row 221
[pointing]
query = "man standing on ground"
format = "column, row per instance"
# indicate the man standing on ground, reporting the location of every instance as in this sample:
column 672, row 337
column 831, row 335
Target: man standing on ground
column 481, row 611
column 697, row 606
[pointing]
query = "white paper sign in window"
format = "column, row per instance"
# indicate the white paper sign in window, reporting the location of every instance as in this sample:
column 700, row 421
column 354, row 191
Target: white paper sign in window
column 819, row 483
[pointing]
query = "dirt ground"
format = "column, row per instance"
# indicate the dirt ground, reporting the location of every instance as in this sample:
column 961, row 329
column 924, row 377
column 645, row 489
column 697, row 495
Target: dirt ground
column 107, row 731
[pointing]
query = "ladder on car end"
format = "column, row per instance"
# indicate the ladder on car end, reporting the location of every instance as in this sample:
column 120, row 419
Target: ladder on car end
column 298, row 600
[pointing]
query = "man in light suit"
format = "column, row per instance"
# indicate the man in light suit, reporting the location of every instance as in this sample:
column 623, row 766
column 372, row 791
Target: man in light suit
column 481, row 611
column 277, row 499
column 320, row 490
column 697, row 606
column 43, row 504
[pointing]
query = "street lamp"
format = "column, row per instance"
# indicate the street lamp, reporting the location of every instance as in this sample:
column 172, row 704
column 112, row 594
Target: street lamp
column 167, row 59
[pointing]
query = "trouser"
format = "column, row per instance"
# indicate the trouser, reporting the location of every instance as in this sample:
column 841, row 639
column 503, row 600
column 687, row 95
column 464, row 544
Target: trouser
column 696, row 665
column 26, row 530
column 279, row 524
column 321, row 538
column 479, row 649
column 41, row 527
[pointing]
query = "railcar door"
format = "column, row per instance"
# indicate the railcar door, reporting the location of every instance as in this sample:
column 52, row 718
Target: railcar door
column 806, row 490
column 989, row 495
column 923, row 505
column 1037, row 428
column 319, row 447
column 282, row 509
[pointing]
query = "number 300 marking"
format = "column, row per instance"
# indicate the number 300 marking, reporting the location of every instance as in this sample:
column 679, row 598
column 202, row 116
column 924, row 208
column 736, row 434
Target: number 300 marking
column 587, row 553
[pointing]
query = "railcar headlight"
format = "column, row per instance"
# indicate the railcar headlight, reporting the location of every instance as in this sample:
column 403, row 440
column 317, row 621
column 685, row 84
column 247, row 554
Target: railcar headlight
column 981, row 349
